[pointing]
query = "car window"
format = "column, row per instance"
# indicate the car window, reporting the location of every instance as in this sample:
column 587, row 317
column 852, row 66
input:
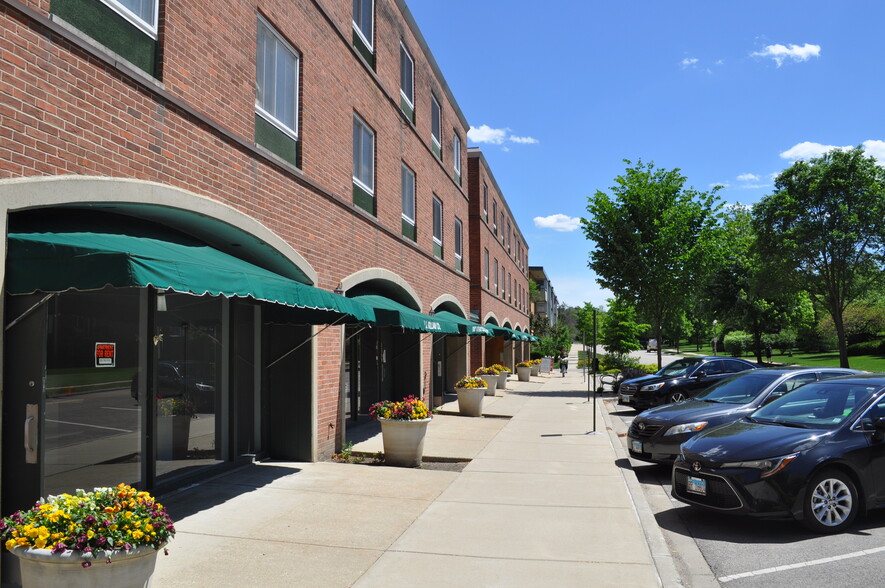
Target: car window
column 739, row 388
column 794, row 382
column 678, row 368
column 816, row 405
column 714, row 367
column 736, row 366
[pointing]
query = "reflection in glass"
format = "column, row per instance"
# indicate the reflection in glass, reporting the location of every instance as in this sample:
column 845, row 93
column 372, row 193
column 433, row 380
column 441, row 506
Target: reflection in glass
column 187, row 349
column 92, row 425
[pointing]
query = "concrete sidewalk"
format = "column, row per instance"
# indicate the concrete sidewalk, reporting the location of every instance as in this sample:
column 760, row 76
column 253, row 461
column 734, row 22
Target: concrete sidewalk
column 544, row 501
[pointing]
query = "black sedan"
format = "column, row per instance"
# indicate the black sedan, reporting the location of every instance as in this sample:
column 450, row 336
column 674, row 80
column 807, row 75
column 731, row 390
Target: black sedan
column 679, row 380
column 656, row 434
column 816, row 454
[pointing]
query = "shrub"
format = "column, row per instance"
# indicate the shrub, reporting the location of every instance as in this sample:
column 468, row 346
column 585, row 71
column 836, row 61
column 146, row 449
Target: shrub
column 737, row 343
column 876, row 347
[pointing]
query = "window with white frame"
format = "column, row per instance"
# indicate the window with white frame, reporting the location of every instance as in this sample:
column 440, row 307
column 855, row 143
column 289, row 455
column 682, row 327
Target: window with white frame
column 141, row 13
column 435, row 126
column 485, row 201
column 459, row 257
column 456, row 153
column 496, row 277
column 363, row 156
column 406, row 76
column 495, row 216
column 276, row 80
column 363, row 21
column 485, row 267
column 407, row 177
column 437, row 227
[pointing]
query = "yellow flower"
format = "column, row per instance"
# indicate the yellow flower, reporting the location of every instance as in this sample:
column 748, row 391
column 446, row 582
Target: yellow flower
column 10, row 543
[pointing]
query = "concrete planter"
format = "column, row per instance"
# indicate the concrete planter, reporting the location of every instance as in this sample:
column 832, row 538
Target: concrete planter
column 491, row 383
column 536, row 369
column 403, row 442
column 41, row 568
column 502, row 380
column 173, row 436
column 523, row 373
column 470, row 401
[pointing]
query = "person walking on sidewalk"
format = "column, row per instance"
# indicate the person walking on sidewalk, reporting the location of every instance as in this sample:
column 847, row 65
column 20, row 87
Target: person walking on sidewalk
column 563, row 362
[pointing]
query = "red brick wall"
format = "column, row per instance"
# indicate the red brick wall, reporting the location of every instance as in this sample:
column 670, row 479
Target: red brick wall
column 64, row 111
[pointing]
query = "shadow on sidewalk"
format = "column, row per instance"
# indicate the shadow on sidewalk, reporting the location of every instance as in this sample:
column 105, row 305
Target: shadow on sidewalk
column 216, row 491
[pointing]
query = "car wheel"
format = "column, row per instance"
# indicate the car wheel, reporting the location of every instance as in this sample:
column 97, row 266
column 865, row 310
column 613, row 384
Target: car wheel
column 677, row 396
column 831, row 502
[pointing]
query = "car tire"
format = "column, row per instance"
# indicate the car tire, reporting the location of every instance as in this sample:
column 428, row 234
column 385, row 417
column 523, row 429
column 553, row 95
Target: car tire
column 676, row 396
column 831, row 502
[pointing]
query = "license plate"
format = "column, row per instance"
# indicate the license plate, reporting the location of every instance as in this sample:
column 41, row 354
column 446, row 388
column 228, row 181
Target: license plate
column 697, row 486
column 626, row 398
column 636, row 445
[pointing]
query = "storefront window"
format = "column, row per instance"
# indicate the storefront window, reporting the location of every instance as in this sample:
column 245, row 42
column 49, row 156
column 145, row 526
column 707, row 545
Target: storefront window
column 92, row 426
column 188, row 352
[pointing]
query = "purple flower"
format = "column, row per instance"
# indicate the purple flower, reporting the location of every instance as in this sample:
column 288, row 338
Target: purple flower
column 127, row 546
column 89, row 520
column 101, row 541
column 86, row 564
column 59, row 548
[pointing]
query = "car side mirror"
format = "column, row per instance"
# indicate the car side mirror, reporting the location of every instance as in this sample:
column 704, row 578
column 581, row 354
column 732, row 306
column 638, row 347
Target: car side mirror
column 700, row 374
column 771, row 398
column 879, row 428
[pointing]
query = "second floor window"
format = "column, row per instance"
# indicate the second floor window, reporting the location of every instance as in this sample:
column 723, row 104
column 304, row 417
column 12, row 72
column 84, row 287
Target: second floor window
column 276, row 80
column 408, row 196
column 363, row 156
column 437, row 227
column 363, row 16
column 141, row 13
column 485, row 201
column 435, row 126
column 406, row 76
column 456, row 153
column 485, row 267
column 496, row 277
column 459, row 256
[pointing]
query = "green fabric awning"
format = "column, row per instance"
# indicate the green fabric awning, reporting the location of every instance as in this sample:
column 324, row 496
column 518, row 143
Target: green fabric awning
column 60, row 261
column 391, row 313
column 466, row 327
column 507, row 333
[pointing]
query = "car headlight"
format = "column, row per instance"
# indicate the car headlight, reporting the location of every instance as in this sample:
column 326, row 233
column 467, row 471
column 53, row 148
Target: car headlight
column 651, row 387
column 769, row 467
column 686, row 428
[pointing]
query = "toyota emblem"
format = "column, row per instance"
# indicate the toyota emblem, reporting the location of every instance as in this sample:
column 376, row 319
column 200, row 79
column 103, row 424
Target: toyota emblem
column 696, row 466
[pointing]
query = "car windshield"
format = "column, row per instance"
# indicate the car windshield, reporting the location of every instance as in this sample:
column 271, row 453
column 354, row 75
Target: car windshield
column 680, row 367
column 818, row 405
column 738, row 389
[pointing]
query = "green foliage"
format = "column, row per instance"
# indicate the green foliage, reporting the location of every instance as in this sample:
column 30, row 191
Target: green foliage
column 824, row 221
column 876, row 347
column 651, row 239
column 737, row 343
column 620, row 332
column 862, row 321
column 783, row 341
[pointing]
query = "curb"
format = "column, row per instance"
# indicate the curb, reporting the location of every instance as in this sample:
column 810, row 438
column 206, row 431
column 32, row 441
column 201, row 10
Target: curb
column 660, row 552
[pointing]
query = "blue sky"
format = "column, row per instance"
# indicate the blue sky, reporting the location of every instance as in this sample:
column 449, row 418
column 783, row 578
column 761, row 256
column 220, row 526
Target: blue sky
column 559, row 93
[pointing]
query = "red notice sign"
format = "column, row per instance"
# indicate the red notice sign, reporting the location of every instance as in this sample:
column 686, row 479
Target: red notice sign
column 105, row 354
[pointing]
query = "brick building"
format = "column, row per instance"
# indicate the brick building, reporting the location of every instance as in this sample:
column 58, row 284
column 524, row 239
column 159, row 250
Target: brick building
column 499, row 291
column 200, row 209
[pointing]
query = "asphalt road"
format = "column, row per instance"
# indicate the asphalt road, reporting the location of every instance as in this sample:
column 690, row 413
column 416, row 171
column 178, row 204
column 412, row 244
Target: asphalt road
column 742, row 552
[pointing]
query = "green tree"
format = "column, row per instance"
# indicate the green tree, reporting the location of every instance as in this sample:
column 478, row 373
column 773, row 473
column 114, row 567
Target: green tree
column 620, row 332
column 651, row 236
column 826, row 219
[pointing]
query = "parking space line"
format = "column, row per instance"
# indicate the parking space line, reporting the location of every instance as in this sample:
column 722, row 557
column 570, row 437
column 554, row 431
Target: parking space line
column 806, row 564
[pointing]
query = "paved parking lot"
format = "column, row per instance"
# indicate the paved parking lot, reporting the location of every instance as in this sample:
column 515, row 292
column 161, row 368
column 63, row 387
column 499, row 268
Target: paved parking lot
column 720, row 550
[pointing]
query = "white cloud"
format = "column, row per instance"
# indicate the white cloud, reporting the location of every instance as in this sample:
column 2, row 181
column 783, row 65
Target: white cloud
column 748, row 178
column 688, row 62
column 780, row 53
column 808, row 150
column 558, row 222
column 486, row 134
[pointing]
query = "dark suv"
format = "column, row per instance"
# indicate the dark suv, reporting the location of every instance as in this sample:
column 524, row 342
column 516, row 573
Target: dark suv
column 679, row 380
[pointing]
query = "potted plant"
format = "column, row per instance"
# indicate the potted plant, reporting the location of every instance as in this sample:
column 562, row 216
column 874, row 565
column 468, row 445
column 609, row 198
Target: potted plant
column 524, row 370
column 114, row 533
column 536, row 367
column 490, row 376
column 174, row 417
column 403, row 427
column 503, row 374
column 471, row 391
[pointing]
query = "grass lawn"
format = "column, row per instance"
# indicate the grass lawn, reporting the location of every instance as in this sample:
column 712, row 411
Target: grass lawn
column 870, row 363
